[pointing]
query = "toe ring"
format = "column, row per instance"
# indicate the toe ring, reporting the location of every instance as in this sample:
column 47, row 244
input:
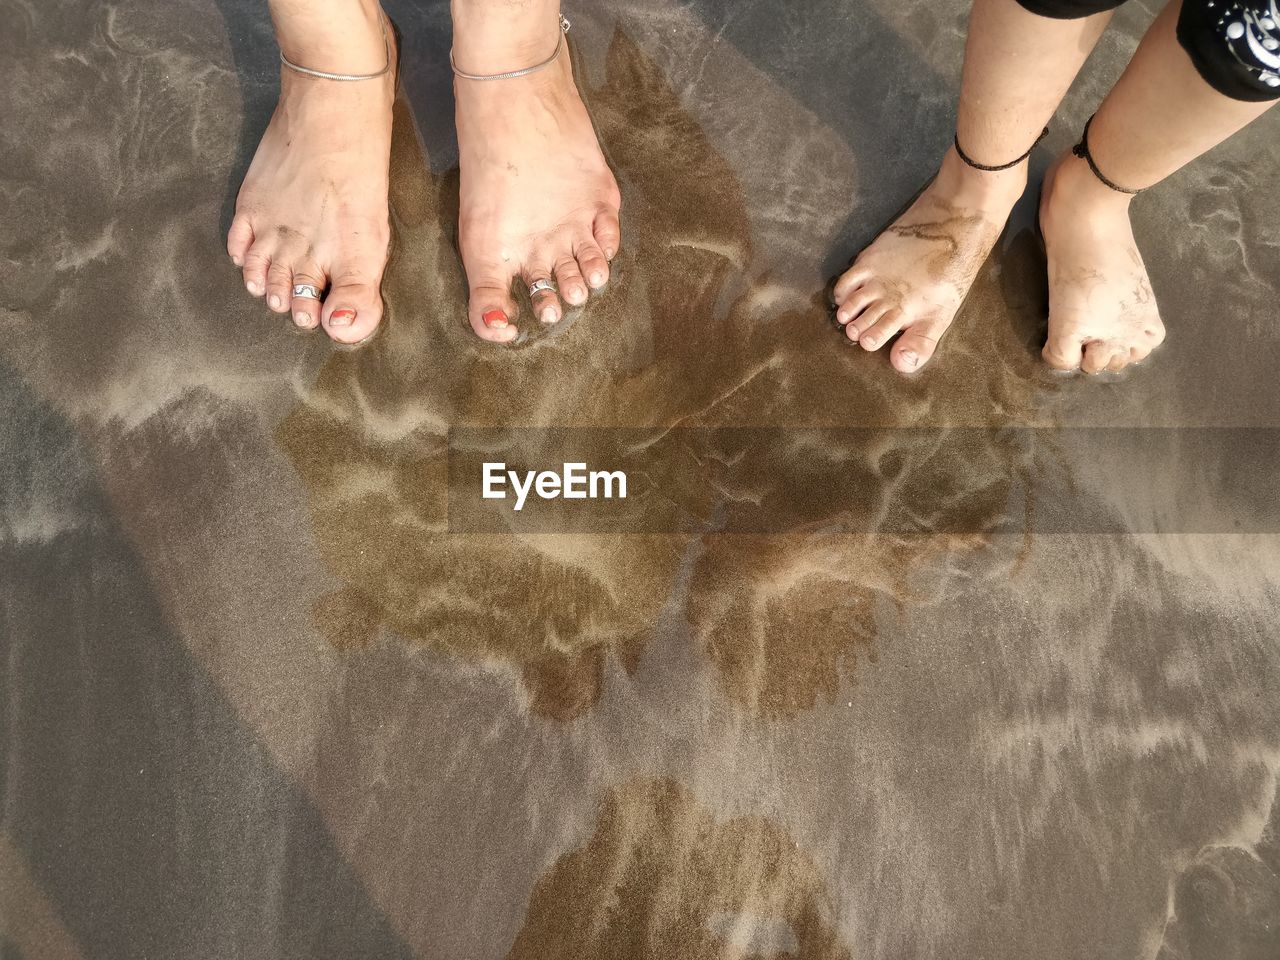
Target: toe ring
column 306, row 291
column 539, row 285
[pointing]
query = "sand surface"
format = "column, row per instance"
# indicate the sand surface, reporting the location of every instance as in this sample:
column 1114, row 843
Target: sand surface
column 259, row 699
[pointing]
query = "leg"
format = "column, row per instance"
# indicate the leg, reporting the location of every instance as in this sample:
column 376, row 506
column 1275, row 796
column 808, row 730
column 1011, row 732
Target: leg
column 1162, row 114
column 538, row 200
column 313, row 207
column 913, row 278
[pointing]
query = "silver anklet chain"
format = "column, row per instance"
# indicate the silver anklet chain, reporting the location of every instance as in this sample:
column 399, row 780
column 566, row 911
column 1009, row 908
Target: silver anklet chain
column 512, row 74
column 325, row 75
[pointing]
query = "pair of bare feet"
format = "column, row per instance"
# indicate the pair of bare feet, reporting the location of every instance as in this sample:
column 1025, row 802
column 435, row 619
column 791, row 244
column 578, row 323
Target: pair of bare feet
column 914, row 277
column 538, row 200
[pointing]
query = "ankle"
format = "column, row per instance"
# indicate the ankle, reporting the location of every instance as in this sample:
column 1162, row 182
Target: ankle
column 980, row 188
column 1070, row 186
column 494, row 36
column 348, row 38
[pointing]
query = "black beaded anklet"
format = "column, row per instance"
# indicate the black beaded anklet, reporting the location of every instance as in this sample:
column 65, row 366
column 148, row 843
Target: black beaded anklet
column 1081, row 150
column 1003, row 166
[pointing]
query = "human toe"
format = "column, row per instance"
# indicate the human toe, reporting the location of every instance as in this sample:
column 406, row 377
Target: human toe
column 852, row 278
column 916, row 345
column 608, row 233
column 307, row 278
column 239, row 239
column 857, row 300
column 569, row 280
column 279, row 285
column 352, row 311
column 256, row 264
column 1097, row 354
column 545, row 301
column 593, row 265
column 1063, row 351
column 889, row 323
column 492, row 312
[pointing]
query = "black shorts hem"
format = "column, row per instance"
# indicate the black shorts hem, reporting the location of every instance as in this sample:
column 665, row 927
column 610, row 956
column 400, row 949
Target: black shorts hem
column 1068, row 9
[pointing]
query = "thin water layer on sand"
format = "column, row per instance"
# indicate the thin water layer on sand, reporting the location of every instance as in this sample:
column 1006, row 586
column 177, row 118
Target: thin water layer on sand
column 261, row 700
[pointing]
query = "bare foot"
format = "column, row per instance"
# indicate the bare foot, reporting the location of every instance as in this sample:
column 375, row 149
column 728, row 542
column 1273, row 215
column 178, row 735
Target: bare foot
column 313, row 207
column 538, row 200
column 1102, row 313
column 914, row 276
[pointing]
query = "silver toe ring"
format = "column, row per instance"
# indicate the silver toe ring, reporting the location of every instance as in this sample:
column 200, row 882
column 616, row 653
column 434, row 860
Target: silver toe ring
column 539, row 285
column 306, row 290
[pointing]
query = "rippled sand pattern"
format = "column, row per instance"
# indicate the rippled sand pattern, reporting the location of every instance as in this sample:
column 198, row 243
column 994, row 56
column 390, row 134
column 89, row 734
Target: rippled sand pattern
column 258, row 699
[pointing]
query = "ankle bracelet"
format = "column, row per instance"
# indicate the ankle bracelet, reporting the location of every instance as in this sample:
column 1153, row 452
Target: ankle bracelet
column 1081, row 150
column 512, row 74
column 325, row 75
column 998, row 167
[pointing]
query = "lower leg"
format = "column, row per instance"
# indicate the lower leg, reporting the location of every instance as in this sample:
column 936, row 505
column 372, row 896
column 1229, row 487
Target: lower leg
column 914, row 277
column 538, row 200
column 1017, row 68
column 1161, row 115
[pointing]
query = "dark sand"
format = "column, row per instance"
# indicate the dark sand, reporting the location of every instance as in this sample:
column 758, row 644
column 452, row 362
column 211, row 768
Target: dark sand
column 259, row 701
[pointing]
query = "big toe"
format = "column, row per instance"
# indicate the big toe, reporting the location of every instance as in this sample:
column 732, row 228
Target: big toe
column 1063, row 351
column 916, row 345
column 352, row 312
column 493, row 312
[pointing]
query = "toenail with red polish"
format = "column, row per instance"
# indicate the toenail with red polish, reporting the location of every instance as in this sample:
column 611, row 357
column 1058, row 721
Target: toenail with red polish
column 494, row 318
column 342, row 318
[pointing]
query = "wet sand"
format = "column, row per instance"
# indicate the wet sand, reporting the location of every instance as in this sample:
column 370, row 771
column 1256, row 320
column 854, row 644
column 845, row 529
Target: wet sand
column 260, row 699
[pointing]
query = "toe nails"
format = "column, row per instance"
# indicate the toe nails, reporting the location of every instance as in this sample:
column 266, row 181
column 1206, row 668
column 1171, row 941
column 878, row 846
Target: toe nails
column 495, row 319
column 549, row 315
column 343, row 317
